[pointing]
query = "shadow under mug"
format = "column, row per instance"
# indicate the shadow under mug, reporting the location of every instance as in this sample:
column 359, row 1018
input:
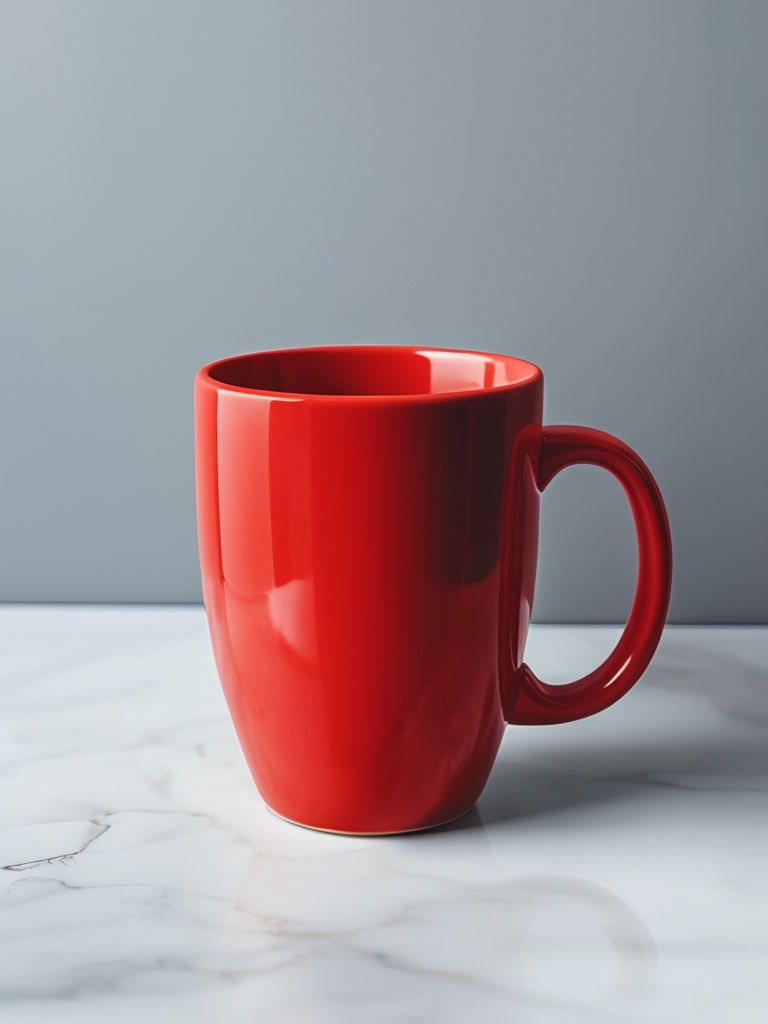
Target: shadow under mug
column 368, row 534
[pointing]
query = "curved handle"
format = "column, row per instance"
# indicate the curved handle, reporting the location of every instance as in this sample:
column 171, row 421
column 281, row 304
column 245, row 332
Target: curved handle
column 537, row 703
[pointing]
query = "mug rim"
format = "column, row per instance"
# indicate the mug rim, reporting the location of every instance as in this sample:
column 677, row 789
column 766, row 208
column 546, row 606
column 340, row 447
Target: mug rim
column 532, row 374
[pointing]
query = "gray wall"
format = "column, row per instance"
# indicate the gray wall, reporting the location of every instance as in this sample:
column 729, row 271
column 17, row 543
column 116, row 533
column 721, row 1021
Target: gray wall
column 580, row 183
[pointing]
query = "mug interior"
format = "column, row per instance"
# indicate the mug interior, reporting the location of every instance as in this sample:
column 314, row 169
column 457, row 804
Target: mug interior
column 372, row 370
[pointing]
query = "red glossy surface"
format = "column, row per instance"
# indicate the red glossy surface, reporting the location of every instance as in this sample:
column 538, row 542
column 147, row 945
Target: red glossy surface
column 367, row 518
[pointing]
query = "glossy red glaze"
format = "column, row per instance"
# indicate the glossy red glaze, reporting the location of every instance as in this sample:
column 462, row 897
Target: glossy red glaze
column 368, row 523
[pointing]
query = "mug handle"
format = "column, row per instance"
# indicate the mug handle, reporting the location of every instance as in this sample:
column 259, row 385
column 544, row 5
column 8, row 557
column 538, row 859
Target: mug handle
column 533, row 702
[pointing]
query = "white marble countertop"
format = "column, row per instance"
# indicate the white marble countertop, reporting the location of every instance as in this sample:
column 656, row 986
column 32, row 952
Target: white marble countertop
column 615, row 869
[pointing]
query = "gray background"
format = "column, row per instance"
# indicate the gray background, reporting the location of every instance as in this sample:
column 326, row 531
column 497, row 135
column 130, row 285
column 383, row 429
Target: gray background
column 580, row 183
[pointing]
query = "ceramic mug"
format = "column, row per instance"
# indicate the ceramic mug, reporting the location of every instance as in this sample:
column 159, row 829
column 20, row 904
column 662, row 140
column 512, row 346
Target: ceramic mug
column 368, row 533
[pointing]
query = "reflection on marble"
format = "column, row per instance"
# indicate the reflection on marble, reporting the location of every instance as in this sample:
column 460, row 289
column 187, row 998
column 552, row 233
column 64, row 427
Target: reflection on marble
column 613, row 870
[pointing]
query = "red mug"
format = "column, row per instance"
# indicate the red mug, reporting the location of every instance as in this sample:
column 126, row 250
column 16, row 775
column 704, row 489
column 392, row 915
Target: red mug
column 368, row 532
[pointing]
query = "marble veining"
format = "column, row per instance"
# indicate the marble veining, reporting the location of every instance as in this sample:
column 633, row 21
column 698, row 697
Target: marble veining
column 613, row 870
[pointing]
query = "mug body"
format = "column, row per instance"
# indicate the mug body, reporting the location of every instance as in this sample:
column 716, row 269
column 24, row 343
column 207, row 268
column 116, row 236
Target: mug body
column 350, row 504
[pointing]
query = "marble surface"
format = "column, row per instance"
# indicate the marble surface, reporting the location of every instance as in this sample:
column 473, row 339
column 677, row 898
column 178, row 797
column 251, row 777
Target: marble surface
column 615, row 869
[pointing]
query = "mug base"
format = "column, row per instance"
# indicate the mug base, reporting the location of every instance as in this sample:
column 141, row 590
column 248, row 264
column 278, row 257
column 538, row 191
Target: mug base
column 389, row 832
